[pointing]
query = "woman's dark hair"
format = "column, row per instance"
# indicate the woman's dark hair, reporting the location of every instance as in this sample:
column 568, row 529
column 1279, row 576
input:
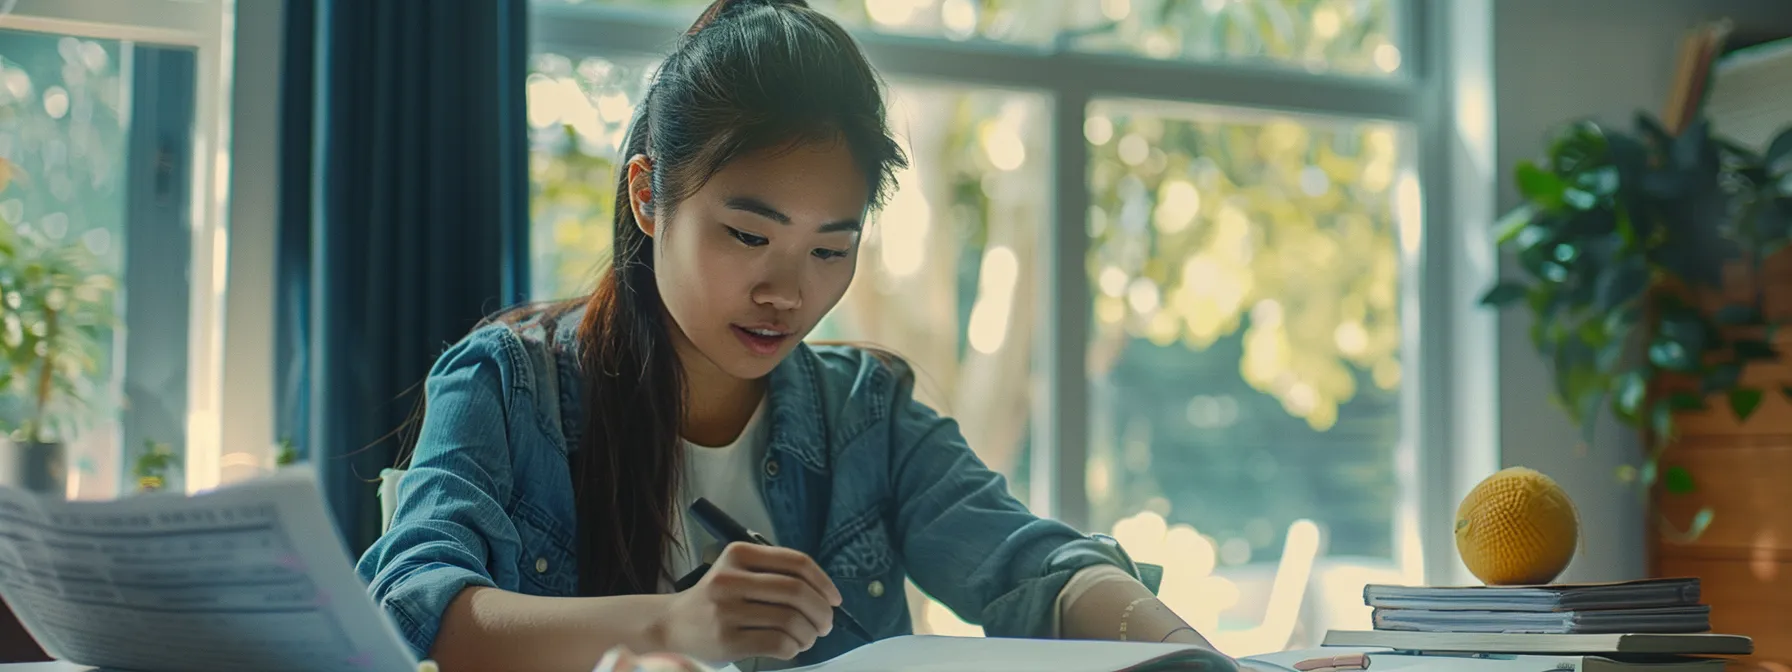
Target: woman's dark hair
column 749, row 76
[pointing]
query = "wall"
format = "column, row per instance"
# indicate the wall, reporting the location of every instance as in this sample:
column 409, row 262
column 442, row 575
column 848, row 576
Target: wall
column 1554, row 61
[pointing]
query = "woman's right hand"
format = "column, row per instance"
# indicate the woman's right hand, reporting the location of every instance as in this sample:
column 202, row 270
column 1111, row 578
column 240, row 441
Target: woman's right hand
column 754, row 601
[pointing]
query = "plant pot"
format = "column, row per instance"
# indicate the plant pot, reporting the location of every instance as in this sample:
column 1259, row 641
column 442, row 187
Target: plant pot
column 1740, row 470
column 42, row 467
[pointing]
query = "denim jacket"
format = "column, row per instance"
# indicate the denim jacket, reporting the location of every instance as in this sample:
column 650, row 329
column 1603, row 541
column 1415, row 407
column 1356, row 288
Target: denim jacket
column 872, row 484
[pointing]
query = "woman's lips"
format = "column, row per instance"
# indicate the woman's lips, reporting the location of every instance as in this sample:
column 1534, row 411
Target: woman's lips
column 762, row 341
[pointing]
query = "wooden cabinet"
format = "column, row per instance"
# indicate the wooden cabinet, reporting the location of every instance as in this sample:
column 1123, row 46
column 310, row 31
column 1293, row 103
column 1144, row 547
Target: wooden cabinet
column 1743, row 472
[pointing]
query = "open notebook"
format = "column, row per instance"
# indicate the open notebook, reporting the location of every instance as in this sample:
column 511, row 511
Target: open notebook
column 933, row 653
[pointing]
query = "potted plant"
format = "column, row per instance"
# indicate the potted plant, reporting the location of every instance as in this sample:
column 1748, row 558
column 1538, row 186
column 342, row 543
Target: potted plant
column 1642, row 256
column 56, row 322
column 152, row 466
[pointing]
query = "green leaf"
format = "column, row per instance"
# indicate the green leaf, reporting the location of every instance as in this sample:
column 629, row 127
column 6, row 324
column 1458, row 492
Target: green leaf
column 1503, row 293
column 1601, row 181
column 1670, row 355
column 1786, row 391
column 1773, row 224
column 1579, row 199
column 1575, row 376
column 1686, row 401
column 1685, row 327
column 1650, row 472
column 1507, row 228
column 1618, row 322
column 1627, row 394
column 1744, row 401
column 1540, row 186
column 1576, row 147
column 1778, row 152
column 1661, row 420
column 1700, row 521
column 1622, row 282
column 1611, row 354
column 1681, row 342
column 1626, row 473
column 1693, row 149
column 1721, row 377
column 1738, row 313
column 1678, row 481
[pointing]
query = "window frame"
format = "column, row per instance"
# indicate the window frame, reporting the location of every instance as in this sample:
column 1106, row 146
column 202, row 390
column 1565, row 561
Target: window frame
column 241, row 392
column 1442, row 95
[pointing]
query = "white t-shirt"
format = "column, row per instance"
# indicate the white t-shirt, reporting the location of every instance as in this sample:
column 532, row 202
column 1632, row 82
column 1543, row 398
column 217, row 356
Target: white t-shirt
column 728, row 476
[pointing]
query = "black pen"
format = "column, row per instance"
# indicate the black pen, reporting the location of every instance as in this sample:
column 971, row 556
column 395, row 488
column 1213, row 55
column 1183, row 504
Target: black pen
column 727, row 530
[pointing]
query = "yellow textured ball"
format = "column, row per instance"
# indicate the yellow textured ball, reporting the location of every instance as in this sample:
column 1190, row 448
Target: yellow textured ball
column 1516, row 528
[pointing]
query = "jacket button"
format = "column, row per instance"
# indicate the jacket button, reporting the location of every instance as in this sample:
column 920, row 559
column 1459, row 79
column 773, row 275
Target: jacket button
column 541, row 565
column 876, row 589
column 771, row 467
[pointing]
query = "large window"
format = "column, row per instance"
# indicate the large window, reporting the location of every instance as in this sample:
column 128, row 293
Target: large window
column 110, row 237
column 1157, row 258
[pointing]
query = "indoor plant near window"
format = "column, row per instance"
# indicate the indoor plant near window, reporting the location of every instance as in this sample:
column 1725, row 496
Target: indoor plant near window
column 154, row 466
column 54, row 325
column 1656, row 269
column 1646, row 260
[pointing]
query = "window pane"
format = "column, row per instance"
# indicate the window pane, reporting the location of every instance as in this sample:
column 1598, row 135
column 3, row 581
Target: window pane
column 1357, row 37
column 83, row 163
column 1245, row 347
column 1354, row 37
column 946, row 270
column 578, row 112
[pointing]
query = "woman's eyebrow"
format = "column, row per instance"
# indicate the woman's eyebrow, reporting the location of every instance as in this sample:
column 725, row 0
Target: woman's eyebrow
column 755, row 206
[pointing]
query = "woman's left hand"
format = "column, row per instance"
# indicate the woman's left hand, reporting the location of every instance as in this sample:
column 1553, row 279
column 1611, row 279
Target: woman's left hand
column 621, row 659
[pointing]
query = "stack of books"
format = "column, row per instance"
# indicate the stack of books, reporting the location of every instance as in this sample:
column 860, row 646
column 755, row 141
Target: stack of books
column 1629, row 607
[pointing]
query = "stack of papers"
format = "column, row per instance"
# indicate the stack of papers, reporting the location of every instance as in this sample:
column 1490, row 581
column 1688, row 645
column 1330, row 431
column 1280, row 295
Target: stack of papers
column 248, row 577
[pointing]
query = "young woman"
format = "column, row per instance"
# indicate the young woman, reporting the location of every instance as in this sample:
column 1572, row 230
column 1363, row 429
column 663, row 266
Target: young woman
column 541, row 523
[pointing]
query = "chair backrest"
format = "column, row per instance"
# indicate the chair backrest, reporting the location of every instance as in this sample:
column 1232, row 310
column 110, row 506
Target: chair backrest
column 1300, row 552
column 388, row 496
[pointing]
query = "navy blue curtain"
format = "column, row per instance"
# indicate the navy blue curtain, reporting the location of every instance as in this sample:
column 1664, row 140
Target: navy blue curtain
column 404, row 222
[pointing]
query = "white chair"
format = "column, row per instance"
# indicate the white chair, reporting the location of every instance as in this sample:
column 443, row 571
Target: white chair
column 1293, row 576
column 388, row 496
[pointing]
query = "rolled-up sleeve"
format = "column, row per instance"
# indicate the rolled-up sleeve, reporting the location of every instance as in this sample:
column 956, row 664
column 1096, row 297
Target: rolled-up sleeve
column 450, row 530
column 970, row 544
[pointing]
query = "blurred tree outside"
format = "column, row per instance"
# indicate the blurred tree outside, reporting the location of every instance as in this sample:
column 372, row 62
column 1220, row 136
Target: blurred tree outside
column 63, row 135
column 1269, row 245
